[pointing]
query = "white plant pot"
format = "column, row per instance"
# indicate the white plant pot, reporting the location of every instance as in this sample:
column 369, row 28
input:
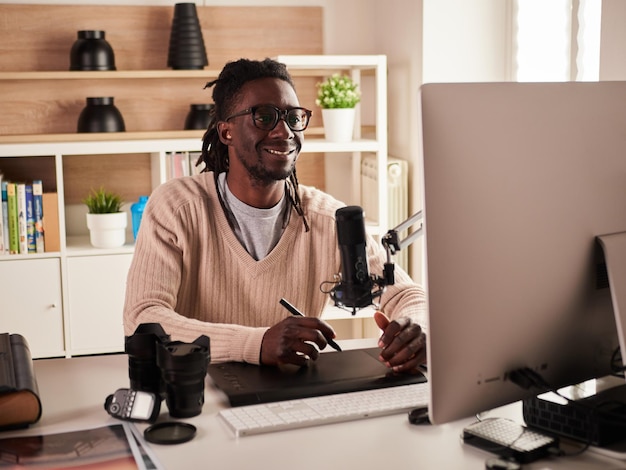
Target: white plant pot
column 339, row 124
column 107, row 230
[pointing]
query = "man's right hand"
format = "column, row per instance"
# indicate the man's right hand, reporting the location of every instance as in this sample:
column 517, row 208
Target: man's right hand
column 293, row 340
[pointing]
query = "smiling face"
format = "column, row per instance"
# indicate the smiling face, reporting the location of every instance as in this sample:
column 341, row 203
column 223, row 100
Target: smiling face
column 260, row 160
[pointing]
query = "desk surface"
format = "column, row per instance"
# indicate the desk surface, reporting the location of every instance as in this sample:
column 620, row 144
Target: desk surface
column 73, row 393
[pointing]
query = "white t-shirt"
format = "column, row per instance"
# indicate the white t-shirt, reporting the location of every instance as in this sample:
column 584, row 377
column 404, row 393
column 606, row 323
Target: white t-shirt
column 258, row 230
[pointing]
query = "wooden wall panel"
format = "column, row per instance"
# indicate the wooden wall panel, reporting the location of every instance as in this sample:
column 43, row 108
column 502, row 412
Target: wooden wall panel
column 53, row 106
column 128, row 175
column 39, row 37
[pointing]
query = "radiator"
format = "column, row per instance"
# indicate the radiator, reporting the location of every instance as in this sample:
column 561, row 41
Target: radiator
column 397, row 193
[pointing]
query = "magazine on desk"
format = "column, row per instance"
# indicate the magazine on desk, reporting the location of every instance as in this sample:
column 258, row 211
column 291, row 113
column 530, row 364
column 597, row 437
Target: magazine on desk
column 115, row 446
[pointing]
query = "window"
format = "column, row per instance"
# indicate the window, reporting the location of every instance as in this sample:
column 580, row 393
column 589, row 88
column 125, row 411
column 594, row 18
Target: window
column 557, row 40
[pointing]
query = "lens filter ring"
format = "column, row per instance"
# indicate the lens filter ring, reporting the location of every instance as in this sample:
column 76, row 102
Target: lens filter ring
column 170, row 432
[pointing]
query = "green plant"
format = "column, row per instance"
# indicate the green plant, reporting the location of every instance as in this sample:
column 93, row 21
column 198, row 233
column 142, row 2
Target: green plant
column 338, row 91
column 103, row 202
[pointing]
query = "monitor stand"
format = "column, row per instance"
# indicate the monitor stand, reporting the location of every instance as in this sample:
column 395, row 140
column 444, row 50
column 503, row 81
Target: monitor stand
column 614, row 247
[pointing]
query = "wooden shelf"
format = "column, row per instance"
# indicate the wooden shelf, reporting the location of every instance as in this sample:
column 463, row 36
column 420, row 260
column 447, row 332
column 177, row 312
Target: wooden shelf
column 297, row 68
column 312, row 135
column 80, row 246
column 128, row 142
column 99, row 136
column 107, row 75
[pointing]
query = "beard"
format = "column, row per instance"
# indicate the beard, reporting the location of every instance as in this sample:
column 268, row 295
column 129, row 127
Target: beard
column 265, row 174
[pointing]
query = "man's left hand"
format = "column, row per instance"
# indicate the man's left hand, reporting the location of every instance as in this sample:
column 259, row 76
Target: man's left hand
column 403, row 343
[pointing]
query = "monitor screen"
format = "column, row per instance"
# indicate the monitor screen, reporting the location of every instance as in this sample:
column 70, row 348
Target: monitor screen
column 519, row 180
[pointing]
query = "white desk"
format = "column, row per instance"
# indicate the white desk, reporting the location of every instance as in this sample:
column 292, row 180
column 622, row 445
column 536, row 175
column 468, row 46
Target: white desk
column 73, row 393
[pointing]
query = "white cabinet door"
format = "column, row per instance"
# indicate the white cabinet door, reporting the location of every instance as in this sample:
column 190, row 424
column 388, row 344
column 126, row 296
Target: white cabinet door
column 96, row 287
column 31, row 304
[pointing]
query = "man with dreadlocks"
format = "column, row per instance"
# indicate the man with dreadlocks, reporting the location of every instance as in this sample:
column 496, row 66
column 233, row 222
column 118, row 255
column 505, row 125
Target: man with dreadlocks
column 217, row 251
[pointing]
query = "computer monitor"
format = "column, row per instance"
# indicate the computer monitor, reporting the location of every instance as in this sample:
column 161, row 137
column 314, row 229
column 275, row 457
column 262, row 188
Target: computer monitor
column 519, row 180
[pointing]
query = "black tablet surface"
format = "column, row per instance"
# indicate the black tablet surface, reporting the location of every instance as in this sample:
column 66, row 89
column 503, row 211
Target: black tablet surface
column 333, row 372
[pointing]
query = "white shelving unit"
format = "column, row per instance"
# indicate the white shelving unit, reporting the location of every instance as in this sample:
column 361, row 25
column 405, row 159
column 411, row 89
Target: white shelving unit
column 72, row 313
column 69, row 302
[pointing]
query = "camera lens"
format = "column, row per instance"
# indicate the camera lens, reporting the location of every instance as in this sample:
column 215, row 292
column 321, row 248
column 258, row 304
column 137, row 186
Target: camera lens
column 141, row 348
column 183, row 368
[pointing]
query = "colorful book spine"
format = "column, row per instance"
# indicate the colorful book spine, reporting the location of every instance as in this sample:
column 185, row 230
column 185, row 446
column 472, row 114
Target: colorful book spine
column 178, row 165
column 3, row 246
column 38, row 206
column 31, row 246
column 5, row 217
column 21, row 217
column 14, row 236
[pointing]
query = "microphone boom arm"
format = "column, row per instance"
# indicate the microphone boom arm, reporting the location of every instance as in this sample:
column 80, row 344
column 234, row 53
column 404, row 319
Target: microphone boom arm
column 392, row 243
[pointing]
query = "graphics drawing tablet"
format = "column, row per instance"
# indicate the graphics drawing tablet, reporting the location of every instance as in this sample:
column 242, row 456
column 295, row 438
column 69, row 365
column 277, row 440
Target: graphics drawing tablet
column 333, row 372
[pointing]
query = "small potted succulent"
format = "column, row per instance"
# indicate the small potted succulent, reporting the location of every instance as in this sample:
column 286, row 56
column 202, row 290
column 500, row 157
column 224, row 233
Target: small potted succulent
column 338, row 96
column 106, row 220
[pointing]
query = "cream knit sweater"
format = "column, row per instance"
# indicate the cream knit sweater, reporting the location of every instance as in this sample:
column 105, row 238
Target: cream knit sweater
column 191, row 274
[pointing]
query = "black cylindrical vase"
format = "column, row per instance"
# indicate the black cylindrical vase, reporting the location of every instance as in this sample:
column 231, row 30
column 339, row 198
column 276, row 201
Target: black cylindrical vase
column 91, row 51
column 100, row 115
column 199, row 116
column 186, row 49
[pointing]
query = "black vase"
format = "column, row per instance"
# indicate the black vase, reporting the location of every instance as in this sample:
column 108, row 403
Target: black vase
column 186, row 49
column 91, row 51
column 199, row 116
column 100, row 115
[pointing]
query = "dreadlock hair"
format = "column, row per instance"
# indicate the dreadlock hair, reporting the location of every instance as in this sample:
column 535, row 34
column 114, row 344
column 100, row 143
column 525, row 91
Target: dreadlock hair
column 226, row 89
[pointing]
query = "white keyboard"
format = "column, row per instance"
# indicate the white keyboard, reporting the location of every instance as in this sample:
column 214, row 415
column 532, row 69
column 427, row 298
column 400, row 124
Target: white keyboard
column 498, row 433
column 313, row 411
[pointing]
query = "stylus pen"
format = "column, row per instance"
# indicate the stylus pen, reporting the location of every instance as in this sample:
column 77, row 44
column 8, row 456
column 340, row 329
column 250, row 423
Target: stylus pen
column 294, row 311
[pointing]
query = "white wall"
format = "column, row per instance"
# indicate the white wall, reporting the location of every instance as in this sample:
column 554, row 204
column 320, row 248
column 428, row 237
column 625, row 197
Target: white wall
column 393, row 28
column 425, row 41
column 467, row 41
column 613, row 40
column 462, row 42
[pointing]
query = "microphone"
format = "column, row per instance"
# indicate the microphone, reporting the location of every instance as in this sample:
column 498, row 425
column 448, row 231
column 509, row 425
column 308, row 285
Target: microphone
column 355, row 288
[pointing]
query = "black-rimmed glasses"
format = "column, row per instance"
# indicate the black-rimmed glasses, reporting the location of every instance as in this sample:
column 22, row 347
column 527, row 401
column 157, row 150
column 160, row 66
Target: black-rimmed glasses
column 266, row 117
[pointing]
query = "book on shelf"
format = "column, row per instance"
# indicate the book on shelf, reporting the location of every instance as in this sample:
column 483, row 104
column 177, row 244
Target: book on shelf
column 38, row 208
column 21, row 217
column 31, row 246
column 5, row 218
column 22, row 213
column 14, row 235
column 3, row 245
column 182, row 164
column 178, row 164
column 51, row 222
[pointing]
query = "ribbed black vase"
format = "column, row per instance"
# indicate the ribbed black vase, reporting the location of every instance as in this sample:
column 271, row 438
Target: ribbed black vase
column 100, row 115
column 186, row 50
